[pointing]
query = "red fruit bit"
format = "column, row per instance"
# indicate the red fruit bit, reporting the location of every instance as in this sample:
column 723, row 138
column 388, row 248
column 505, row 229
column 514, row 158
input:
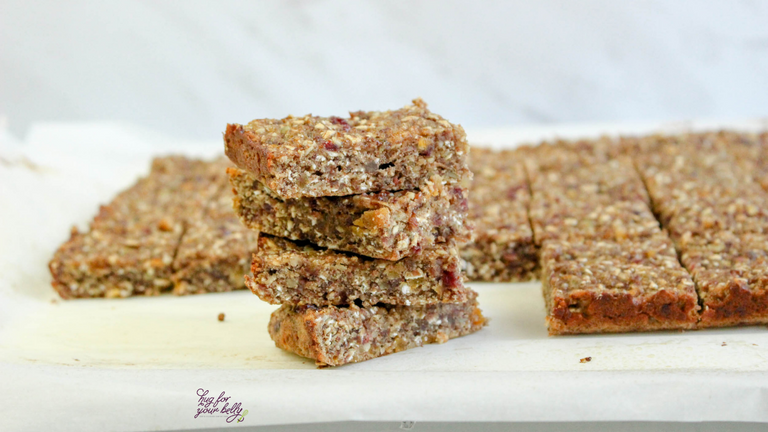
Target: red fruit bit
column 341, row 122
column 330, row 146
column 451, row 279
column 512, row 192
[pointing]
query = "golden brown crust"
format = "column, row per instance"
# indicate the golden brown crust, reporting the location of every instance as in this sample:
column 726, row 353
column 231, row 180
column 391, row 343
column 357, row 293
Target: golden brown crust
column 607, row 286
column 706, row 191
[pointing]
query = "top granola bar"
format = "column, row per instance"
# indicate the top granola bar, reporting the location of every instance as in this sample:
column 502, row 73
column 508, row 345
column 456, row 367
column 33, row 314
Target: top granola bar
column 314, row 156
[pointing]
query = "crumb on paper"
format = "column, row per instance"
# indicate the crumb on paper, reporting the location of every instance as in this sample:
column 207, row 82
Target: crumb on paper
column 221, row 316
column 54, row 301
column 585, row 360
column 723, row 344
column 76, row 359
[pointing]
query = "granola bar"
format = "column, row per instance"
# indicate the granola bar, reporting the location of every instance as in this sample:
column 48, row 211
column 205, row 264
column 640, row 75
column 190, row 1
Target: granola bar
column 215, row 251
column 595, row 286
column 367, row 152
column 386, row 225
column 605, row 200
column 731, row 275
column 135, row 244
column 715, row 212
column 285, row 272
column 503, row 249
column 334, row 336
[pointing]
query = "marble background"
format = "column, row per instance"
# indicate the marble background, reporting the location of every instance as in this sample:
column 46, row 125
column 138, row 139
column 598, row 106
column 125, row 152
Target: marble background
column 188, row 68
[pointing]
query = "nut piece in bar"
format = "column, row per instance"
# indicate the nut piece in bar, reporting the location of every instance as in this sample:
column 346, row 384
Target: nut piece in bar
column 215, row 252
column 333, row 156
column 285, row 272
column 503, row 249
column 386, row 225
column 731, row 275
column 334, row 336
column 132, row 242
column 604, row 286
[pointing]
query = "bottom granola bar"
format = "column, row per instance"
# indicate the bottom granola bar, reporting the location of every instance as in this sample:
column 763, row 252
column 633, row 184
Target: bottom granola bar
column 607, row 286
column 335, row 336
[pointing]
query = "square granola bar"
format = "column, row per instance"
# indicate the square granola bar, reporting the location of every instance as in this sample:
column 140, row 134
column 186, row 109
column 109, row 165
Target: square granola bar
column 334, row 335
column 503, row 249
column 314, row 156
column 285, row 272
column 385, row 225
column 594, row 286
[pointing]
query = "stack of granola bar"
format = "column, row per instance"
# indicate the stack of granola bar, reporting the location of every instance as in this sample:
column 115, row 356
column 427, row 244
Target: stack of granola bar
column 360, row 221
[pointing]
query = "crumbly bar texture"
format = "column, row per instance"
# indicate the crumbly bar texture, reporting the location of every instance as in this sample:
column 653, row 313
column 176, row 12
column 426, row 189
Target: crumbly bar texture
column 588, row 200
column 607, row 286
column 618, row 221
column 215, row 252
column 385, row 225
column 714, row 209
column 333, row 156
column 731, row 274
column 135, row 243
column 503, row 249
column 285, row 272
column 333, row 336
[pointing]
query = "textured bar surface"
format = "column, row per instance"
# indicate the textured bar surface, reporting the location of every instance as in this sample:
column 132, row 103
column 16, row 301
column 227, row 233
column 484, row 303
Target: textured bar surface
column 335, row 336
column 386, row 225
column 369, row 151
column 503, row 249
column 136, row 244
column 215, row 251
column 708, row 196
column 285, row 272
column 731, row 274
column 600, row 199
column 605, row 286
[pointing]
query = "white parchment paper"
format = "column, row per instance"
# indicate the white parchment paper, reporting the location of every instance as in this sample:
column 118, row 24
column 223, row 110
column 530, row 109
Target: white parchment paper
column 139, row 363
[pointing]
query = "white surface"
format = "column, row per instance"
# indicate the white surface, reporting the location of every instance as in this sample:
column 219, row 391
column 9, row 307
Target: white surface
column 136, row 364
column 190, row 67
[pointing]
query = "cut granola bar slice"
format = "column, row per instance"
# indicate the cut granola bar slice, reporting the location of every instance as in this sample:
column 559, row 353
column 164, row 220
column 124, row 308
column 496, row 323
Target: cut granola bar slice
column 334, row 336
column 605, row 200
column 285, row 272
column 617, row 221
column 731, row 275
column 605, row 286
column 503, row 249
column 132, row 242
column 386, row 225
column 215, row 252
column 369, row 151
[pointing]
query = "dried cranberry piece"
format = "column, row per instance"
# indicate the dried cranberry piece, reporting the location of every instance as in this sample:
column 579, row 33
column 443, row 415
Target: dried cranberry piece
column 451, row 279
column 341, row 122
column 330, row 146
column 512, row 192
